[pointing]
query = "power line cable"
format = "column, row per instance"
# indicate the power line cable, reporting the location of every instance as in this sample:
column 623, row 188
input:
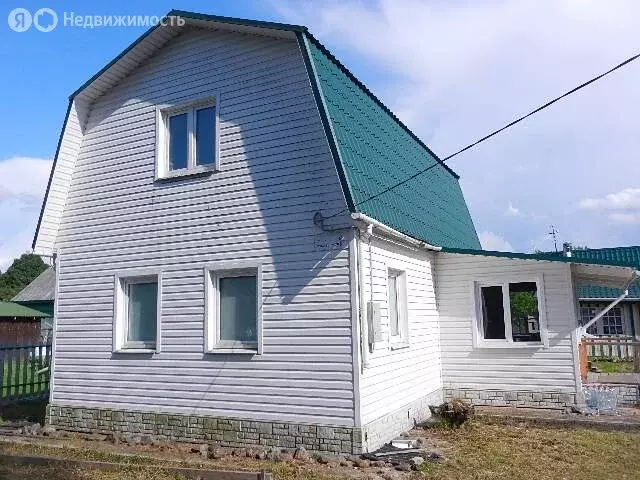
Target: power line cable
column 495, row 132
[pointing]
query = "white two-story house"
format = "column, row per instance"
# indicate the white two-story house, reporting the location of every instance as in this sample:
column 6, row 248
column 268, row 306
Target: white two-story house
column 236, row 263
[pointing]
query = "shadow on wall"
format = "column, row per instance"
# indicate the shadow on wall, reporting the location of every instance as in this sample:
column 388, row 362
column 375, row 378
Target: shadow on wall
column 276, row 173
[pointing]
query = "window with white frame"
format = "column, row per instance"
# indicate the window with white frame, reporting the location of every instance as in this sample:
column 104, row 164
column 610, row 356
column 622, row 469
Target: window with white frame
column 397, row 304
column 234, row 308
column 188, row 138
column 137, row 313
column 509, row 313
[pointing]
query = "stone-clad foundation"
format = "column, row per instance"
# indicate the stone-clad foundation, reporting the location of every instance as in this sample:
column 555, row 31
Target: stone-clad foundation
column 231, row 432
column 510, row 398
column 226, row 432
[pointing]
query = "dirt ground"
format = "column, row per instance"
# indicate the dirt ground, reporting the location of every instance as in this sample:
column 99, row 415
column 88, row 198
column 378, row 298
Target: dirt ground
column 481, row 449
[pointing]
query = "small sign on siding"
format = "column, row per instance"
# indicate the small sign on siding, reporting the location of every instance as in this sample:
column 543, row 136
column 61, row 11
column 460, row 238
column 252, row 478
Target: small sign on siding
column 328, row 241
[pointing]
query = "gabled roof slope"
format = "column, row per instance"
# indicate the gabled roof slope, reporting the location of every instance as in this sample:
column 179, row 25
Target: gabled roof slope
column 41, row 289
column 616, row 254
column 377, row 151
column 371, row 148
column 14, row 310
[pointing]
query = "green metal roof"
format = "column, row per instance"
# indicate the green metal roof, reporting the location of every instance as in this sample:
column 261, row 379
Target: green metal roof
column 10, row 309
column 375, row 151
column 626, row 254
column 544, row 257
column 371, row 147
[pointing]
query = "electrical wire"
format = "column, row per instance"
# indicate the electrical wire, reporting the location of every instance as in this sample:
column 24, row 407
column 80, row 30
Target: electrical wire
column 495, row 132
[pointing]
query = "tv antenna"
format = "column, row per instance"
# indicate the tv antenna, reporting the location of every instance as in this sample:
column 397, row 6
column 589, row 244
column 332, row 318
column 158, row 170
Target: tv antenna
column 554, row 234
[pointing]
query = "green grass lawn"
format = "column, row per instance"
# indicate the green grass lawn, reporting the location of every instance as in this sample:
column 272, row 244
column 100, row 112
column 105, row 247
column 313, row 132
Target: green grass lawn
column 482, row 450
column 613, row 366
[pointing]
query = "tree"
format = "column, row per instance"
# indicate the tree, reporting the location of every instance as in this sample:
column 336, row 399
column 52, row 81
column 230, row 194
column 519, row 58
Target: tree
column 21, row 273
column 524, row 304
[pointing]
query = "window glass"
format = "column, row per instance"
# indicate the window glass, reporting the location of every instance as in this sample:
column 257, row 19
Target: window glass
column 205, row 135
column 586, row 314
column 238, row 315
column 492, row 313
column 612, row 322
column 394, row 322
column 525, row 318
column 142, row 312
column 178, row 141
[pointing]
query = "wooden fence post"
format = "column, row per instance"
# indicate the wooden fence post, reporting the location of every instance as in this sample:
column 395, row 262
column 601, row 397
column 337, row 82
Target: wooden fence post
column 584, row 360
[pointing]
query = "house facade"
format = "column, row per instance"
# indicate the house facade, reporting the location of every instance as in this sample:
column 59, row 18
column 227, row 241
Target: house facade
column 623, row 320
column 235, row 263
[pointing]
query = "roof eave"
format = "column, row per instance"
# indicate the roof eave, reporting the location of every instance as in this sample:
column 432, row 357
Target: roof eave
column 537, row 257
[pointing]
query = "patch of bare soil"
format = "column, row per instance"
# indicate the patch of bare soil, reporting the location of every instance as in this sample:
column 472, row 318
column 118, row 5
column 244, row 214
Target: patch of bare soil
column 136, row 453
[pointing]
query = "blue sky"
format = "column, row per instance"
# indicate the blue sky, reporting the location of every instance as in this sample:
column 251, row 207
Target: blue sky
column 452, row 72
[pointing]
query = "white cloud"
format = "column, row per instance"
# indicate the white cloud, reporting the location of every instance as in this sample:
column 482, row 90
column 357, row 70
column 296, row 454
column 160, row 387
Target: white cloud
column 491, row 241
column 513, row 211
column 23, row 182
column 23, row 179
column 624, row 199
column 625, row 218
column 454, row 72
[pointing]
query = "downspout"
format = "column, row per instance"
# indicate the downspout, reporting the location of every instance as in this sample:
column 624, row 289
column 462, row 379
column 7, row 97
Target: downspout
column 625, row 293
column 364, row 328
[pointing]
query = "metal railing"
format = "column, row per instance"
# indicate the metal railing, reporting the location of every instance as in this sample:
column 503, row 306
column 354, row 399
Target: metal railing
column 24, row 372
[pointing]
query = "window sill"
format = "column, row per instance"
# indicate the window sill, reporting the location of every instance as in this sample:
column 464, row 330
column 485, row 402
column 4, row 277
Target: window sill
column 509, row 345
column 135, row 350
column 193, row 172
column 232, row 350
column 399, row 345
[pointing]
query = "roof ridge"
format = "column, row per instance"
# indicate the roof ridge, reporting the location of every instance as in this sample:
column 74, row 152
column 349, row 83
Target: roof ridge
column 379, row 102
column 606, row 248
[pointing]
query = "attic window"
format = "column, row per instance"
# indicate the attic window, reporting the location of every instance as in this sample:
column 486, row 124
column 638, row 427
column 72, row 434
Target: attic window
column 187, row 139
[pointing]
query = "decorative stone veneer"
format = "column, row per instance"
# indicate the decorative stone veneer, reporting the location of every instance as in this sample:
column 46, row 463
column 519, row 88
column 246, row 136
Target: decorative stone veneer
column 628, row 394
column 382, row 430
column 502, row 398
column 229, row 432
column 225, row 432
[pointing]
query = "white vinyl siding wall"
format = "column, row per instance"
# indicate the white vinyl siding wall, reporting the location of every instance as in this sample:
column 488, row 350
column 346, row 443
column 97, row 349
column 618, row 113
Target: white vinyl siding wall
column 276, row 172
column 60, row 182
column 534, row 369
column 394, row 378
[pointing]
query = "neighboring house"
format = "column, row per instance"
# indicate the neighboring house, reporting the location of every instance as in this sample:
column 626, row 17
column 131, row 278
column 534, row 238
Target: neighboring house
column 19, row 325
column 40, row 295
column 624, row 318
column 224, row 273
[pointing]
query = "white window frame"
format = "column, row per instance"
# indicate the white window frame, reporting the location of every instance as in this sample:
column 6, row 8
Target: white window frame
column 476, row 294
column 212, row 275
column 120, row 314
column 402, row 339
column 163, row 114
